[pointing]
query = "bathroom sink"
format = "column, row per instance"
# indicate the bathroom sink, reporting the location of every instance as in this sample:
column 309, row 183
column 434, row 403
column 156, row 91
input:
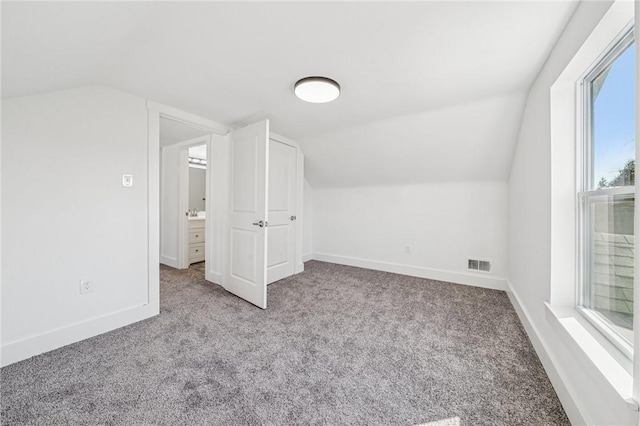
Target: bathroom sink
column 201, row 216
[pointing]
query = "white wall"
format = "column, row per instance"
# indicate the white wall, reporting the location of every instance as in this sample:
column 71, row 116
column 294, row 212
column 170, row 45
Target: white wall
column 66, row 217
column 443, row 223
column 307, row 226
column 585, row 394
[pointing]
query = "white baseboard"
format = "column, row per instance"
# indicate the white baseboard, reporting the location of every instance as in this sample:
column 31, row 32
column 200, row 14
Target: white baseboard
column 35, row 345
column 555, row 376
column 307, row 257
column 169, row 261
column 416, row 271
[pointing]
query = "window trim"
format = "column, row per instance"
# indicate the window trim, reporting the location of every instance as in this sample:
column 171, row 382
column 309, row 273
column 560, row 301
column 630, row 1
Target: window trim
column 585, row 181
column 611, row 335
column 598, row 358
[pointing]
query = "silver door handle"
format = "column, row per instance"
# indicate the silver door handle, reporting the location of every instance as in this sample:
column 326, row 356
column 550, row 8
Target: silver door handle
column 261, row 224
column 293, row 218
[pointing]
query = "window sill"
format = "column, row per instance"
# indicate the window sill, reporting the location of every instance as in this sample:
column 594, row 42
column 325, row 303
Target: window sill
column 605, row 357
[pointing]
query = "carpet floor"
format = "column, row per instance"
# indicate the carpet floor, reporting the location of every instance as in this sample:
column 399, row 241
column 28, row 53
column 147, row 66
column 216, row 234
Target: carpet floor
column 337, row 345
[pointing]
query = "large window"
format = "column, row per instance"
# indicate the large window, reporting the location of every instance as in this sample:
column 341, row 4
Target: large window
column 607, row 194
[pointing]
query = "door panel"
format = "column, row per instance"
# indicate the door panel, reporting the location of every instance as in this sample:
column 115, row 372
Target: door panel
column 280, row 176
column 282, row 206
column 278, row 245
column 247, row 276
column 243, row 262
column 245, row 175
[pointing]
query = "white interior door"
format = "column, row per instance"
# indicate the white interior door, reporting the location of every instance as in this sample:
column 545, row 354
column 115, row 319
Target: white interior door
column 248, row 222
column 281, row 241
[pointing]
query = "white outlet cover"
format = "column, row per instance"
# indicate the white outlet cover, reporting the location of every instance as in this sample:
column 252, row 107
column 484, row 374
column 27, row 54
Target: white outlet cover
column 86, row 286
column 127, row 181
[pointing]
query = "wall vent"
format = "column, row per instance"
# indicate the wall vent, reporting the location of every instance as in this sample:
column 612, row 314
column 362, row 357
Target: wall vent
column 479, row 265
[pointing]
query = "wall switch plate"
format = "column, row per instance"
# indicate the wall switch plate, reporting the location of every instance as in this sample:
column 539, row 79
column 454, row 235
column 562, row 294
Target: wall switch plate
column 86, row 286
column 407, row 249
column 127, row 181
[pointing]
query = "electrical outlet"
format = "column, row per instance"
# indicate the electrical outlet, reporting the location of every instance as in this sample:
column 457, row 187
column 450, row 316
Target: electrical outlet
column 86, row 286
column 407, row 249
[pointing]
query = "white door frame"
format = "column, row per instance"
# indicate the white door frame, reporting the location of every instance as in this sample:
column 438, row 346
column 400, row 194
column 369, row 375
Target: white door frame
column 155, row 111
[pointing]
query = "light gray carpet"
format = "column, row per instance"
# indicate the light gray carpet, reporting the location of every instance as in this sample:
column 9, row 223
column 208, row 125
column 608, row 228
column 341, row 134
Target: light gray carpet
column 337, row 345
column 199, row 267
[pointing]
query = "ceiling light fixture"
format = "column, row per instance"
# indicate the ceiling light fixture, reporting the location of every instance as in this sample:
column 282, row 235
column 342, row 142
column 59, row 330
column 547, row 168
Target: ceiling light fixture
column 317, row 90
column 193, row 160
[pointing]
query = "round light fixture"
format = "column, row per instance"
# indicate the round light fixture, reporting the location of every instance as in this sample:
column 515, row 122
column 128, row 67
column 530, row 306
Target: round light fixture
column 317, row 90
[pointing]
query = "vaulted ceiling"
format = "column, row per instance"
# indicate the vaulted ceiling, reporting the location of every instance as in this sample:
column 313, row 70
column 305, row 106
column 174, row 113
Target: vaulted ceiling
column 432, row 91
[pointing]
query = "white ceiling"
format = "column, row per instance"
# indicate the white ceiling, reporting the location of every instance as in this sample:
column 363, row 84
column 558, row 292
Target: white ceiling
column 466, row 141
column 431, row 85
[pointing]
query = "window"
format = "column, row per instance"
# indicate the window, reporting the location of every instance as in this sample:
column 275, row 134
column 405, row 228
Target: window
column 607, row 194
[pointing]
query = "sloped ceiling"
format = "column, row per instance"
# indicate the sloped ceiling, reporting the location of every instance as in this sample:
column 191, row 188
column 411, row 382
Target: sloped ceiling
column 431, row 90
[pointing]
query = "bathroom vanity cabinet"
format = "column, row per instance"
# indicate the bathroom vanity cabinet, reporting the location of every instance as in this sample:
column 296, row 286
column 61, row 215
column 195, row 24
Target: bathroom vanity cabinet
column 196, row 240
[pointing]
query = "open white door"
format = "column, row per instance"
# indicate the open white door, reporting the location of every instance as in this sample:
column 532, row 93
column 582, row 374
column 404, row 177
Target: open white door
column 248, row 221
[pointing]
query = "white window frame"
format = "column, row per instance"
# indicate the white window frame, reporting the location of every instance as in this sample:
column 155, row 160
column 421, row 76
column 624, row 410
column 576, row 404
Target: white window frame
column 586, row 179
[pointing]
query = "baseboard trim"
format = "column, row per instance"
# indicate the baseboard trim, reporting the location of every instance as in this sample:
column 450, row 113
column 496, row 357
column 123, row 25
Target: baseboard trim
column 307, row 257
column 169, row 261
column 416, row 271
column 35, row 345
column 556, row 376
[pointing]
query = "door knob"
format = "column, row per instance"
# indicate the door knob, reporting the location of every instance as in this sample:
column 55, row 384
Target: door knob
column 261, row 224
column 293, row 218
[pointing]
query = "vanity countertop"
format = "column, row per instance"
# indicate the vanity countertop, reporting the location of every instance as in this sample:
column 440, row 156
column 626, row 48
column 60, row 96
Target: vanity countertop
column 201, row 216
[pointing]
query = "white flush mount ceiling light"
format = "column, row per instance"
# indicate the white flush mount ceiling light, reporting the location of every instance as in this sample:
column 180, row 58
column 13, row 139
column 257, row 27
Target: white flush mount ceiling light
column 317, row 90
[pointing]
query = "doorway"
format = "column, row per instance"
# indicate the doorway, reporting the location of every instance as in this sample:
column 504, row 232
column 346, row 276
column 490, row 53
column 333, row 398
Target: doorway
column 236, row 214
column 196, row 187
column 184, row 184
